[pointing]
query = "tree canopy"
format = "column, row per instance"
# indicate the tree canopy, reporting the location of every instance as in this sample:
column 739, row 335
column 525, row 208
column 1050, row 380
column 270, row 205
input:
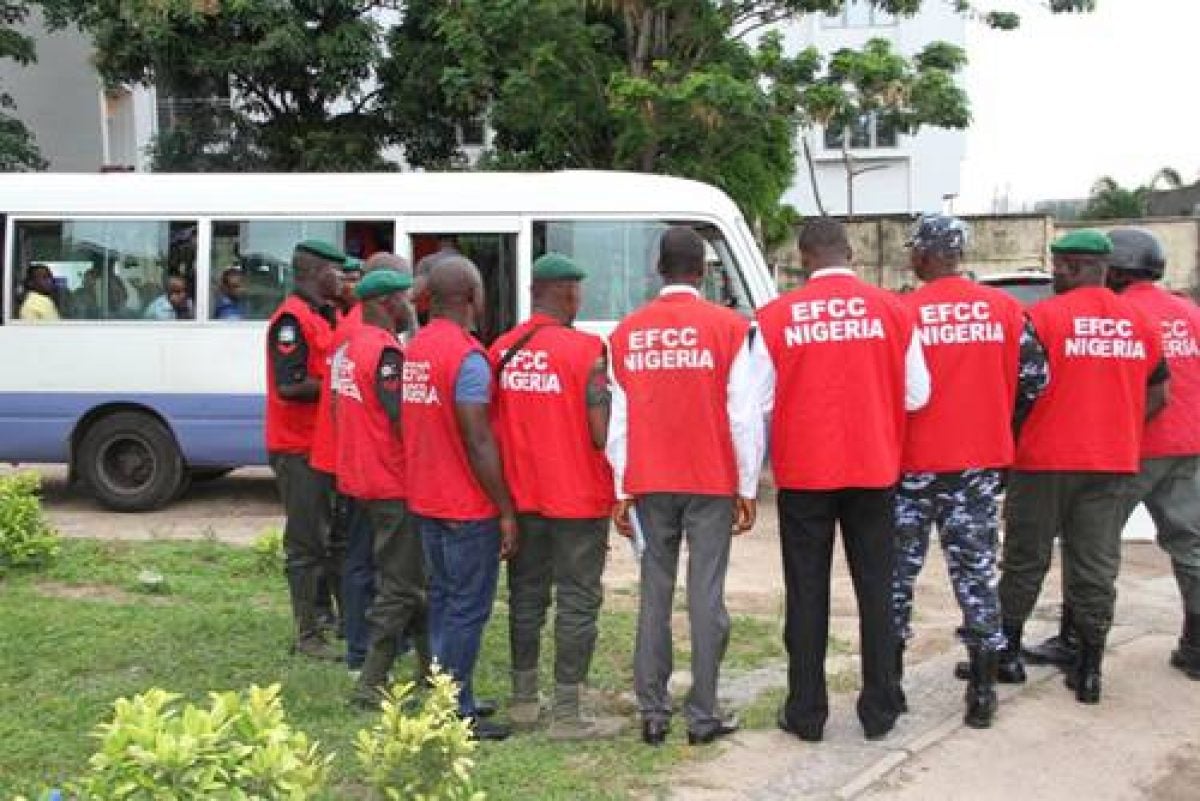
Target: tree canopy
column 18, row 150
column 1109, row 200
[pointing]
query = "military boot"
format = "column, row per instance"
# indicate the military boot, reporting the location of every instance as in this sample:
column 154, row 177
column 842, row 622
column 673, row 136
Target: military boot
column 373, row 680
column 901, row 698
column 569, row 723
column 1010, row 669
column 1084, row 677
column 1059, row 650
column 981, row 688
column 524, row 708
column 310, row 641
column 1187, row 656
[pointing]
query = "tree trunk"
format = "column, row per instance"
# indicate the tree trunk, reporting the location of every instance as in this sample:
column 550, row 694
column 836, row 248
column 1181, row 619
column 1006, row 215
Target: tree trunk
column 812, row 177
column 848, row 162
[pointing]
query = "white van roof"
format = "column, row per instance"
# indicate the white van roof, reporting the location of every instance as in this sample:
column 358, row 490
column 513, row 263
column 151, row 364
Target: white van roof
column 347, row 195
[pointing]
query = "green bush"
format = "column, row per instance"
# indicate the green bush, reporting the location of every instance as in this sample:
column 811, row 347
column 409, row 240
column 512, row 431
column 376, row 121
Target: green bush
column 424, row 756
column 268, row 551
column 240, row 748
column 26, row 538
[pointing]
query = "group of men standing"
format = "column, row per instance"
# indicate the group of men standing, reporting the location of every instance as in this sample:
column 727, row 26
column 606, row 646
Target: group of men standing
column 887, row 414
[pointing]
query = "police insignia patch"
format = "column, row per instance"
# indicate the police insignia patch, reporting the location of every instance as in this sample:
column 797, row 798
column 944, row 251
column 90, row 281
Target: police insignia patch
column 387, row 371
column 287, row 335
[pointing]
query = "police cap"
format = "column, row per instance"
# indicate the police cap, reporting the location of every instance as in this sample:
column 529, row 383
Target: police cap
column 557, row 267
column 939, row 233
column 352, row 264
column 1136, row 250
column 382, row 282
column 1085, row 242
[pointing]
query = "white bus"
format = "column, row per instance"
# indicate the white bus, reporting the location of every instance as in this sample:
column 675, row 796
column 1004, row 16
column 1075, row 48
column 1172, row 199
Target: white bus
column 139, row 406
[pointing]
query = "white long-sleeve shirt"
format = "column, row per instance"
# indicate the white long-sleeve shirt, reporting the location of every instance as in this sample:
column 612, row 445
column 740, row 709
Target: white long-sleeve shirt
column 746, row 396
column 917, row 383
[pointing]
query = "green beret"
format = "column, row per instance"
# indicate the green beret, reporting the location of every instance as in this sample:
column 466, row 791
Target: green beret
column 323, row 249
column 557, row 267
column 1086, row 241
column 352, row 265
column 382, row 282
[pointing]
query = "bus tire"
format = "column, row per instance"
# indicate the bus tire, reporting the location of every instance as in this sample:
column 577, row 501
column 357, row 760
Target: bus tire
column 130, row 462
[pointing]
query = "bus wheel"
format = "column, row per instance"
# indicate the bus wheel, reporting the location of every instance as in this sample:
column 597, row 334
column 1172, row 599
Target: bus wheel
column 130, row 462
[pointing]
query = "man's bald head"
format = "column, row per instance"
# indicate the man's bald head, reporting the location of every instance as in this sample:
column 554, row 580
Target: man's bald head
column 454, row 280
column 385, row 261
column 823, row 243
column 681, row 255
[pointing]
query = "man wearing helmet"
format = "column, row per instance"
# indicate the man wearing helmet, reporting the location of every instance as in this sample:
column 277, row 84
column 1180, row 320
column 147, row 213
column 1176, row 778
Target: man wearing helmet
column 1168, row 483
column 988, row 367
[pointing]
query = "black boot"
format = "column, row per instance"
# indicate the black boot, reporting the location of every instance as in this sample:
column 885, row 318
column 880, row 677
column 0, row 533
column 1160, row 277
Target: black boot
column 901, row 699
column 981, row 691
column 1187, row 656
column 1010, row 669
column 1059, row 650
column 1084, row 677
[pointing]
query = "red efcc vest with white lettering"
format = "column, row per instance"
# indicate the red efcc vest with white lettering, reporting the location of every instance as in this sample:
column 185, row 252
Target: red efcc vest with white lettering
column 290, row 424
column 440, row 481
column 551, row 466
column 1101, row 352
column 1175, row 431
column 672, row 358
column 839, row 416
column 323, row 455
column 369, row 462
column 971, row 335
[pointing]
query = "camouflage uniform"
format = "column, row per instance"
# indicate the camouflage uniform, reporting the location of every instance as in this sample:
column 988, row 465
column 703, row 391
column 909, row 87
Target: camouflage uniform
column 964, row 507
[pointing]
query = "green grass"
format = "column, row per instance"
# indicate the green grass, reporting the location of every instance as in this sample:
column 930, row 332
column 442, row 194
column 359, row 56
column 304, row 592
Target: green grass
column 80, row 634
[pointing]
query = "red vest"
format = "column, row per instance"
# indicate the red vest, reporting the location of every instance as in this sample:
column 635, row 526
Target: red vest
column 1175, row 431
column 440, row 482
column 323, row 456
column 1102, row 352
column 672, row 357
column 550, row 464
column 290, row 424
column 369, row 460
column 839, row 347
column 972, row 340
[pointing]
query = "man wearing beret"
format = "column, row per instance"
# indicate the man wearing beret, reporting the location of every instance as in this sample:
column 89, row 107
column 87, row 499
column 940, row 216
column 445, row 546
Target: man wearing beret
column 298, row 341
column 1077, row 453
column 552, row 420
column 370, row 471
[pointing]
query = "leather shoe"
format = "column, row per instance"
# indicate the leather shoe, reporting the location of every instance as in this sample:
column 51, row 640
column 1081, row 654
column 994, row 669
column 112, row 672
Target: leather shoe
column 723, row 729
column 485, row 709
column 488, row 730
column 809, row 734
column 654, row 732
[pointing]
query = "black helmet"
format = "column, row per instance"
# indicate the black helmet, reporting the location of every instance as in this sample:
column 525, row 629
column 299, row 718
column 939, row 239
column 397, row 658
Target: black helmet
column 939, row 233
column 1136, row 250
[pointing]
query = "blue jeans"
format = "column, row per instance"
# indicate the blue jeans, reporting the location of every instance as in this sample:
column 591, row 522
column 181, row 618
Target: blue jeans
column 463, row 563
column 358, row 582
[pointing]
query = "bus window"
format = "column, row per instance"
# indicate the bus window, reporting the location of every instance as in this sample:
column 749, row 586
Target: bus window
column 621, row 256
column 112, row 269
column 256, row 256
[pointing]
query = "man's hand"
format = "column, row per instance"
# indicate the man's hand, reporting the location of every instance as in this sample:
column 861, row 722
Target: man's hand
column 508, row 536
column 746, row 509
column 620, row 517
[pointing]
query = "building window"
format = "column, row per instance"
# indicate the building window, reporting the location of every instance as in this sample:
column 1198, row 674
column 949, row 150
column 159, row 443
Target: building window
column 867, row 133
column 859, row 14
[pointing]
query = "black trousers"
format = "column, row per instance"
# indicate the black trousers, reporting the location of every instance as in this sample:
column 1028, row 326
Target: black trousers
column 807, row 522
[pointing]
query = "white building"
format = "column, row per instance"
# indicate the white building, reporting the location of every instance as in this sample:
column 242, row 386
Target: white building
column 908, row 174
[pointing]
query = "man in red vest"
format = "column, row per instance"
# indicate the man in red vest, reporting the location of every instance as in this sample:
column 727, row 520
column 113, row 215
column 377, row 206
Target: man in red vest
column 686, row 444
column 1077, row 452
column 552, row 421
column 988, row 366
column 370, row 471
column 456, row 487
column 846, row 364
column 298, row 341
column 1167, row 482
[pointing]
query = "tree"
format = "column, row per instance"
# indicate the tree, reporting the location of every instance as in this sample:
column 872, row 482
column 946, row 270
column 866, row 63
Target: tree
column 18, row 150
column 1109, row 200
column 251, row 84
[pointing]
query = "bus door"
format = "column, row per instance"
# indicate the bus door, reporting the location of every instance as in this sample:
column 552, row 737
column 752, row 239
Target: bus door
column 491, row 242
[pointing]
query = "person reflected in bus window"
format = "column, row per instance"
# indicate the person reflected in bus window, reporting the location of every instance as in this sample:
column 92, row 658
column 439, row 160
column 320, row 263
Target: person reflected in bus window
column 174, row 304
column 231, row 296
column 39, row 304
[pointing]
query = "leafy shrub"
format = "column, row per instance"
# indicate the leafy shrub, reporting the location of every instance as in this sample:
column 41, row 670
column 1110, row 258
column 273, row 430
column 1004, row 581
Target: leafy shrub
column 240, row 748
column 424, row 756
column 26, row 537
column 268, row 551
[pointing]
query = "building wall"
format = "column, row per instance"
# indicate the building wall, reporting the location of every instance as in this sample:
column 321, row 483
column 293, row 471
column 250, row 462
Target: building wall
column 921, row 170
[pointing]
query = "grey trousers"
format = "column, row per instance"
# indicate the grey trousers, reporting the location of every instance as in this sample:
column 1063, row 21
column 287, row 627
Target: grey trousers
column 1170, row 488
column 707, row 522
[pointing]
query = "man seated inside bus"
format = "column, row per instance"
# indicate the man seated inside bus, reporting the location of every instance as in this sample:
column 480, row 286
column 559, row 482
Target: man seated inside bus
column 174, row 304
column 40, row 302
column 230, row 300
